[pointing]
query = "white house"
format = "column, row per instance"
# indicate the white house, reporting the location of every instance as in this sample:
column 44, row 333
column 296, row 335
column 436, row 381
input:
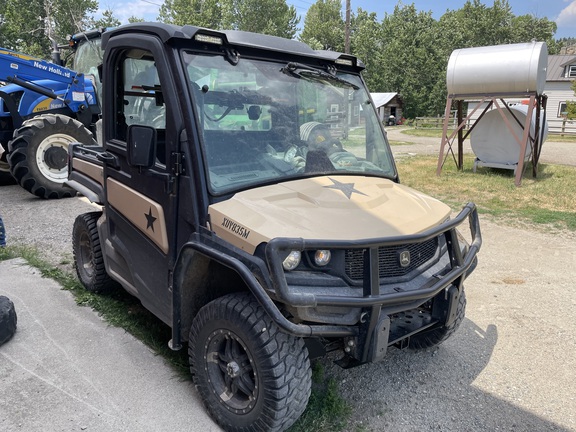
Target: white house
column 560, row 74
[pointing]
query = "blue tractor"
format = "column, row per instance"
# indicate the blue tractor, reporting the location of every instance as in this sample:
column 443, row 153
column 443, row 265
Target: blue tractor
column 44, row 107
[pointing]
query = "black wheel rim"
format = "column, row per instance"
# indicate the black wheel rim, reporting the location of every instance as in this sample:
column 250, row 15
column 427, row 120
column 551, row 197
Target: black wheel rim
column 86, row 255
column 231, row 371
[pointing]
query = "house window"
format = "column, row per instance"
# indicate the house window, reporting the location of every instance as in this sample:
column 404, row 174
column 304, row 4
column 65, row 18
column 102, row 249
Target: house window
column 562, row 109
column 572, row 71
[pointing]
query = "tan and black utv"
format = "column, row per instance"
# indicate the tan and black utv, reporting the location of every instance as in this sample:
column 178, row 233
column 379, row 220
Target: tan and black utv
column 250, row 200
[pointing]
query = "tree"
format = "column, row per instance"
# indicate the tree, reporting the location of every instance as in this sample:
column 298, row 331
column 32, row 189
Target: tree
column 476, row 24
column 324, row 26
column 413, row 61
column 108, row 20
column 366, row 43
column 571, row 106
column 526, row 28
column 272, row 17
column 30, row 25
column 201, row 13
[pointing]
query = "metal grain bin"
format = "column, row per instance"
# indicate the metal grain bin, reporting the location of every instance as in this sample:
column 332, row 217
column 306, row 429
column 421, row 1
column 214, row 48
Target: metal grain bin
column 501, row 70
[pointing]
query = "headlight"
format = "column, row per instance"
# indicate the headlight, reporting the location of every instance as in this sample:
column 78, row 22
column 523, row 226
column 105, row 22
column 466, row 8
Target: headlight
column 292, row 260
column 322, row 257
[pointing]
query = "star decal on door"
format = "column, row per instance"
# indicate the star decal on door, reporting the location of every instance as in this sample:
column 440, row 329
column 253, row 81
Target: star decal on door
column 150, row 219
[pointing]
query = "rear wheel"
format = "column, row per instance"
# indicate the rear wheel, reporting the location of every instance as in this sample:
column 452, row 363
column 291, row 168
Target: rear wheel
column 250, row 375
column 88, row 257
column 438, row 335
column 38, row 156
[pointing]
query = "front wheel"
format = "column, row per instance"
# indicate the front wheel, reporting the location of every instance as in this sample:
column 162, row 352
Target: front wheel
column 38, row 155
column 250, row 375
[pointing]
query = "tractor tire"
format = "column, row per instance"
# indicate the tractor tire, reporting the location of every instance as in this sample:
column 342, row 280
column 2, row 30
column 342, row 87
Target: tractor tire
column 38, row 153
column 8, row 319
column 436, row 336
column 88, row 257
column 250, row 375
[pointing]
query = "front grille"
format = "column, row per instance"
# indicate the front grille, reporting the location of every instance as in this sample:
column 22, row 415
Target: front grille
column 389, row 259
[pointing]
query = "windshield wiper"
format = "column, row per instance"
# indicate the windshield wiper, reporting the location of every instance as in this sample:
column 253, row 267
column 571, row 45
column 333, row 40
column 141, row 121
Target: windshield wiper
column 299, row 70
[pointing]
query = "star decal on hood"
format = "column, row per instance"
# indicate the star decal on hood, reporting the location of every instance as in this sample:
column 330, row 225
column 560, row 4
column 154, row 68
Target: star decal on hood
column 346, row 188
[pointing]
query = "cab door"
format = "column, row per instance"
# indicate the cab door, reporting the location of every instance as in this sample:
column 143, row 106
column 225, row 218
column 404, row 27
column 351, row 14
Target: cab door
column 141, row 200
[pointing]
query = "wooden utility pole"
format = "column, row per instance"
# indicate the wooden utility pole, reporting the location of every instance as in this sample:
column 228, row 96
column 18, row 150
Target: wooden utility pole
column 347, row 32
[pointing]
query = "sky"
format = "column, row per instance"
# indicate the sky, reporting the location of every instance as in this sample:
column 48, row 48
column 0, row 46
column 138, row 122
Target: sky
column 563, row 12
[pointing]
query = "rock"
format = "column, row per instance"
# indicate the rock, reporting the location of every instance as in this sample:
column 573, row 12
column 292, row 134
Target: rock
column 7, row 319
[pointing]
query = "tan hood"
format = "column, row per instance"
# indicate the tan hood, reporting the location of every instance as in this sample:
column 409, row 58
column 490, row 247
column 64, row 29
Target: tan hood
column 325, row 208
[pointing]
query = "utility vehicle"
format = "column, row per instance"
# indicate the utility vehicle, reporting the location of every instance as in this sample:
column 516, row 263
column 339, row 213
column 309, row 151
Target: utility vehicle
column 250, row 200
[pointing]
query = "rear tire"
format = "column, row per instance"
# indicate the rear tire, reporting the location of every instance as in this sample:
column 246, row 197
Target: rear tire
column 88, row 257
column 250, row 375
column 38, row 155
column 438, row 335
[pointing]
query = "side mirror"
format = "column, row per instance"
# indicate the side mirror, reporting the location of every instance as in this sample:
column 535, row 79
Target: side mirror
column 141, row 146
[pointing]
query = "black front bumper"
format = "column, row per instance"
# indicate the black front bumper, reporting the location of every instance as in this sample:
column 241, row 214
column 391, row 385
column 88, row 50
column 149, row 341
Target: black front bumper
column 374, row 331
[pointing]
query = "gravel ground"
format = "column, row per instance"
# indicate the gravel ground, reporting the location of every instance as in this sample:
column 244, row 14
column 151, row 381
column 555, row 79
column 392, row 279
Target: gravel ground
column 563, row 153
column 510, row 367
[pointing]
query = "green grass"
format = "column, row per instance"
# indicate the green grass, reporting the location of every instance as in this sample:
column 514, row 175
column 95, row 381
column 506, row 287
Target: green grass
column 546, row 199
column 326, row 410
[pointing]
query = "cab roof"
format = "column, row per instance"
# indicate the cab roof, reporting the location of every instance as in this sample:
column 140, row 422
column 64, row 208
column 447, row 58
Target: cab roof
column 235, row 38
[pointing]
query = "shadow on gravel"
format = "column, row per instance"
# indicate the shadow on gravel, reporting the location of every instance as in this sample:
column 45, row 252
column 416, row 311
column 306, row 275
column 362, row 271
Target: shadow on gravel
column 434, row 390
column 6, row 179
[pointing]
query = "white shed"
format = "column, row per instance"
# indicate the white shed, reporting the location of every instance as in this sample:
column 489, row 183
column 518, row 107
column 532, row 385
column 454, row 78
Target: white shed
column 388, row 104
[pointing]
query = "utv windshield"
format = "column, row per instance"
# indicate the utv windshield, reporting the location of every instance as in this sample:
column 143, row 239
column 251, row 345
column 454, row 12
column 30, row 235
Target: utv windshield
column 264, row 122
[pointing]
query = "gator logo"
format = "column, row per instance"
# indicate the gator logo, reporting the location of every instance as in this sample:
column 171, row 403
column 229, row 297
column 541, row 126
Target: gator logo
column 404, row 258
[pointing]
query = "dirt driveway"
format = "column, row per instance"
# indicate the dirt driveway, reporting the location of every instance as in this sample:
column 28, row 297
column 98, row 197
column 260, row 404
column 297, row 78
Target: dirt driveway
column 510, row 367
column 563, row 153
